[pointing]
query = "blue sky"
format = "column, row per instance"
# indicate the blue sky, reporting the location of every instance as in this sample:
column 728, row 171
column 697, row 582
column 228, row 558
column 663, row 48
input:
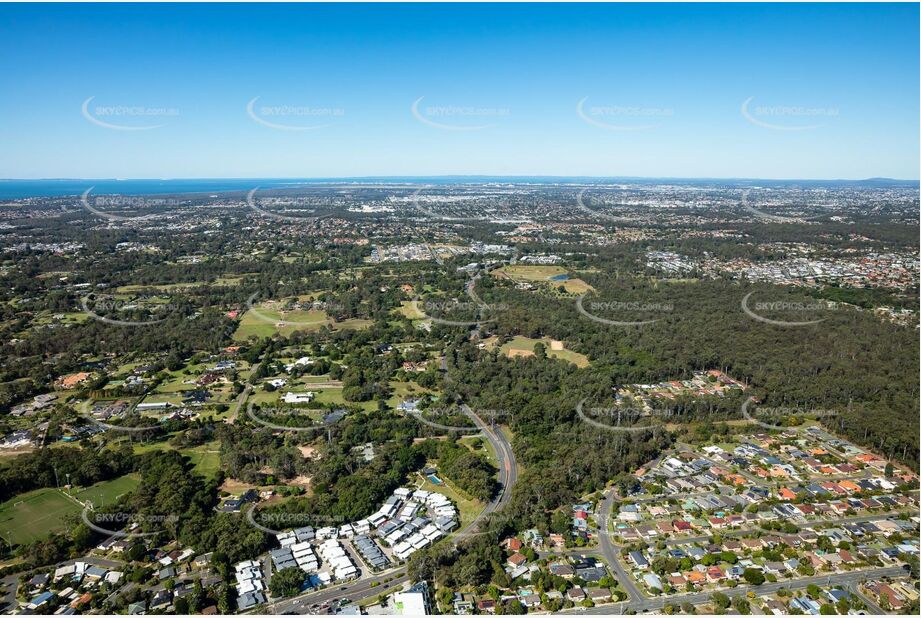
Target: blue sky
column 832, row 90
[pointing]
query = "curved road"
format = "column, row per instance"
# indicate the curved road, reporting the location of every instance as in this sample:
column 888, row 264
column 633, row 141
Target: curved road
column 378, row 584
column 508, row 468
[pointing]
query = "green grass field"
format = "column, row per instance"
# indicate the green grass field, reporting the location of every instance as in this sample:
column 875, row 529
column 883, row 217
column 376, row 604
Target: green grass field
column 468, row 508
column 35, row 514
column 69, row 318
column 205, row 459
column 410, row 310
column 107, row 492
column 538, row 273
column 531, row 272
column 524, row 346
column 405, row 390
column 172, row 287
column 486, row 449
column 266, row 320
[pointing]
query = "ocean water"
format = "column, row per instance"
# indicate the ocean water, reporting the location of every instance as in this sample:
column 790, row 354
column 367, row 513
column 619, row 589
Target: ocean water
column 18, row 189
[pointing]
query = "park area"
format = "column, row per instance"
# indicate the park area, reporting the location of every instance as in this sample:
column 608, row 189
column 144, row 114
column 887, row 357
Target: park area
column 524, row 346
column 270, row 317
column 35, row 514
column 553, row 276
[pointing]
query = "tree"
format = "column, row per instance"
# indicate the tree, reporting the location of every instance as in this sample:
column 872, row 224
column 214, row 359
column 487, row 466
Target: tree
column 742, row 605
column 136, row 552
column 753, row 576
column 287, row 582
column 540, row 350
column 513, row 608
column 720, row 600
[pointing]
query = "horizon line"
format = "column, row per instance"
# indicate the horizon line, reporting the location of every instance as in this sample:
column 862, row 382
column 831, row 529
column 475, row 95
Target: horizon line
column 496, row 176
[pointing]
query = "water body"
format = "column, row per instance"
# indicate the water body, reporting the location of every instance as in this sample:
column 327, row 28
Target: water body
column 18, row 189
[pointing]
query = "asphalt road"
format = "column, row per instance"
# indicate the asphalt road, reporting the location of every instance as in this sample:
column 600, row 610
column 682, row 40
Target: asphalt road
column 611, row 552
column 699, row 598
column 854, row 519
column 363, row 588
column 11, row 582
column 508, row 468
column 375, row 585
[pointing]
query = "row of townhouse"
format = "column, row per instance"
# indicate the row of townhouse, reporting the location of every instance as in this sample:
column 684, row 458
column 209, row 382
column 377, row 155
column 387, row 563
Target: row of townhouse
column 250, row 584
column 339, row 561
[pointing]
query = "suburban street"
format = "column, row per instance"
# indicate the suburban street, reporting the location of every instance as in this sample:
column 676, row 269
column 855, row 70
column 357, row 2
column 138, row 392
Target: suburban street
column 854, row 519
column 699, row 598
column 611, row 552
column 8, row 600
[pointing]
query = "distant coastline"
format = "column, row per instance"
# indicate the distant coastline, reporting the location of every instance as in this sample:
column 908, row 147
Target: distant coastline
column 11, row 189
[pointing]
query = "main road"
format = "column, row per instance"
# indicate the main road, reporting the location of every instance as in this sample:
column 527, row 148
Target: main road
column 372, row 586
